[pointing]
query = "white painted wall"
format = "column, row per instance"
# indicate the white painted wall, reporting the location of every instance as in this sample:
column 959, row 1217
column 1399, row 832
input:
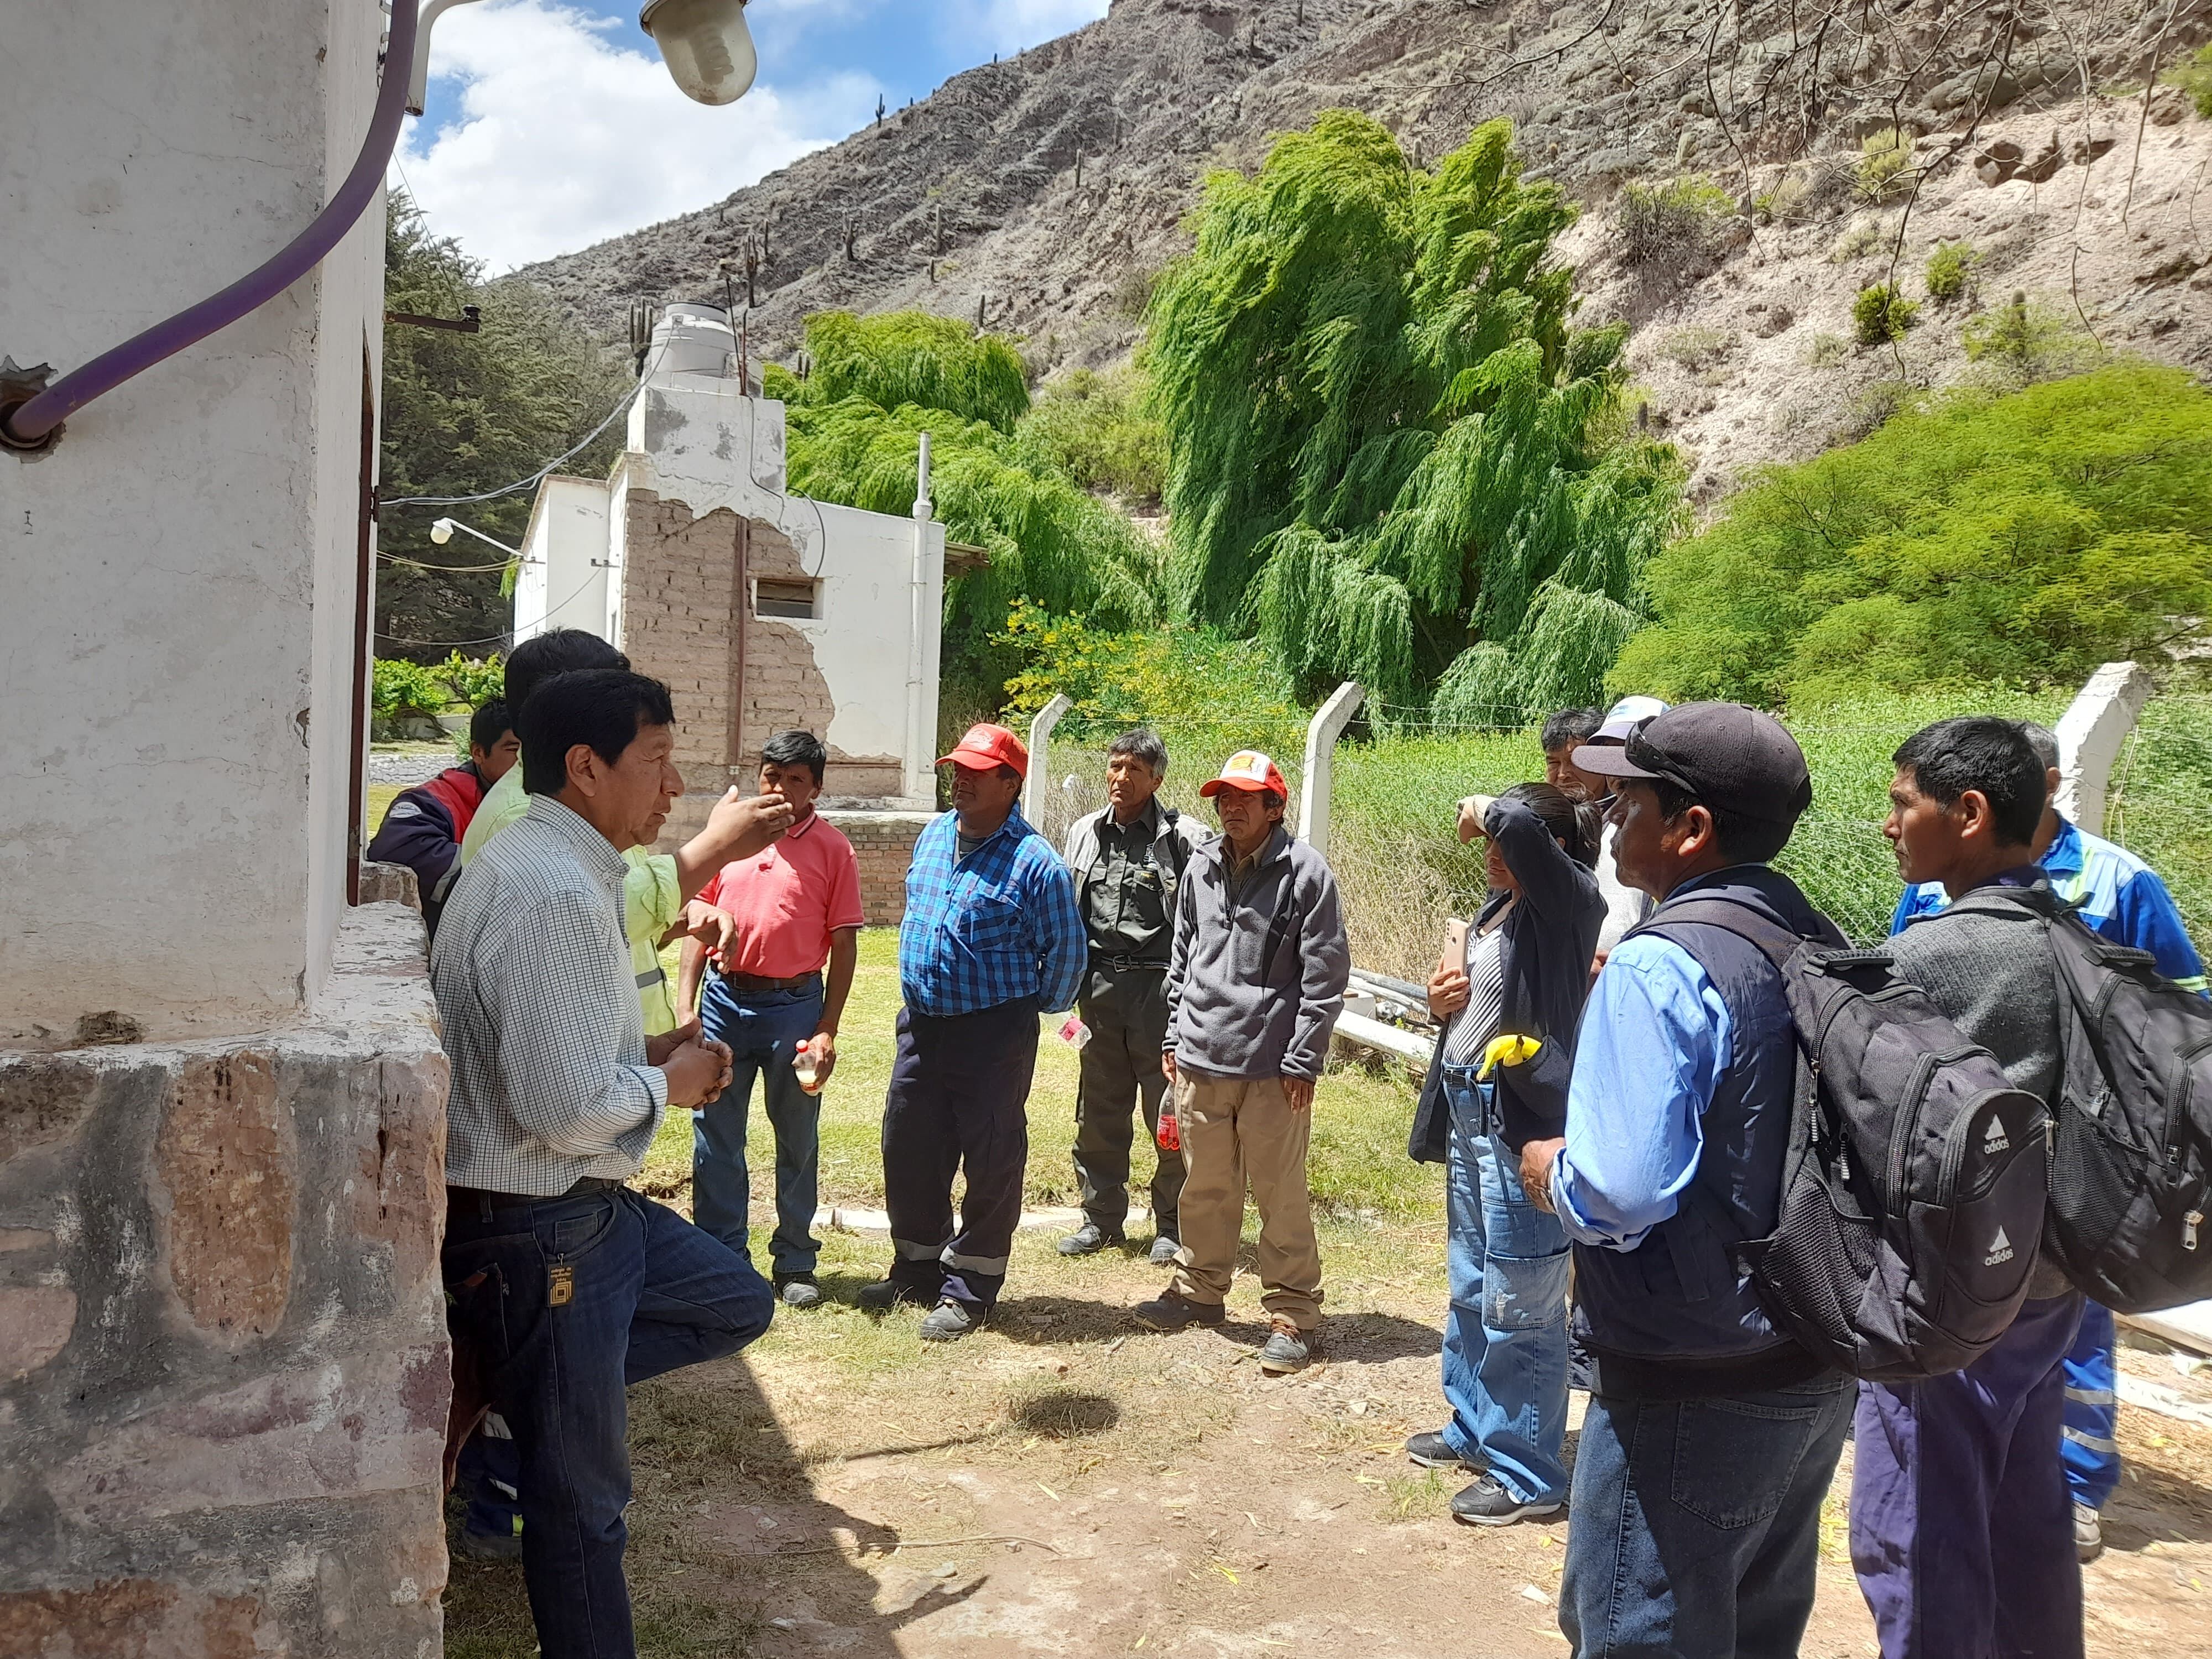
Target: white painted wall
column 862, row 639
column 565, row 561
column 176, row 645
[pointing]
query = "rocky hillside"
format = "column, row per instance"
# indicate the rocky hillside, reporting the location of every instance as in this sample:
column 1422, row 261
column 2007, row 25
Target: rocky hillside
column 1040, row 194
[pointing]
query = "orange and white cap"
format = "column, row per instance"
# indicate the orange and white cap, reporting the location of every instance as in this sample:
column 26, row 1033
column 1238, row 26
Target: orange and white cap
column 987, row 748
column 1249, row 771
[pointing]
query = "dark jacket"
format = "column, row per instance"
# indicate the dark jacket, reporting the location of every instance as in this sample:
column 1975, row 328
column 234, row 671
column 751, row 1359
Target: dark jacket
column 422, row 829
column 1676, row 1317
column 1255, row 982
column 1551, row 936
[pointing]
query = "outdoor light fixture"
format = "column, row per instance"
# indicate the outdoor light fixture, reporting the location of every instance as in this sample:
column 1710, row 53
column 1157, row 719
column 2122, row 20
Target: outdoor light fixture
column 441, row 532
column 706, row 44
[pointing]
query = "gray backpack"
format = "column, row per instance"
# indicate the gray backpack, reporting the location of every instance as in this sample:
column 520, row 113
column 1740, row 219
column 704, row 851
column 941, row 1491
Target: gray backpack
column 1912, row 1196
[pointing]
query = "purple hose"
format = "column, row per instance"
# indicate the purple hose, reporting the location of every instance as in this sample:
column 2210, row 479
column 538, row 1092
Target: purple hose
column 30, row 424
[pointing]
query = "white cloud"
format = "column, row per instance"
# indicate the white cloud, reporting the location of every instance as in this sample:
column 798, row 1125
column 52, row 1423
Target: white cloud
column 1012, row 24
column 565, row 137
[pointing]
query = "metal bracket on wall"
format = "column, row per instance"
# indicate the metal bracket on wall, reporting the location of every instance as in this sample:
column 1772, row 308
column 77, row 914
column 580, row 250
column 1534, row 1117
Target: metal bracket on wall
column 18, row 386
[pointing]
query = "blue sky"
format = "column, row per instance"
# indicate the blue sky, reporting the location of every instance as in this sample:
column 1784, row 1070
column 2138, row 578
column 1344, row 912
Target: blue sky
column 551, row 124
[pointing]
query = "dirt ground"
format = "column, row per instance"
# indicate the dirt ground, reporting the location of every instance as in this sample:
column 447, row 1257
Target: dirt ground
column 1063, row 1483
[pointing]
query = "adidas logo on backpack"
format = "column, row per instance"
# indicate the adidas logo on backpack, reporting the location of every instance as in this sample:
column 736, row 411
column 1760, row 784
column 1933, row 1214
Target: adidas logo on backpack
column 1996, row 1140
column 1999, row 1248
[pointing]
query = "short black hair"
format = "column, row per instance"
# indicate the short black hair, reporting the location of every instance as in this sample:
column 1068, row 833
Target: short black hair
column 489, row 724
column 556, row 651
column 1568, row 727
column 797, row 749
column 1745, row 840
column 604, row 707
column 1982, row 752
column 1141, row 743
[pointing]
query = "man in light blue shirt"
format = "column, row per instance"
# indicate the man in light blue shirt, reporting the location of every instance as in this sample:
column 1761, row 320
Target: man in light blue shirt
column 1712, row 1436
column 2123, row 898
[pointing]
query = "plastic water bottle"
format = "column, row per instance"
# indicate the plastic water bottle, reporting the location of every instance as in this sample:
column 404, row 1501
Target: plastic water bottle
column 808, row 1065
column 1074, row 1033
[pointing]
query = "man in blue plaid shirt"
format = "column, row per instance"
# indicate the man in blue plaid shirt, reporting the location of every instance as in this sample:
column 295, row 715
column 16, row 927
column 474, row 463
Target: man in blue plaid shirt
column 992, row 939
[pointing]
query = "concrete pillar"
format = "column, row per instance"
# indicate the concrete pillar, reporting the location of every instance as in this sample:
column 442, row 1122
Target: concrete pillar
column 1321, row 732
column 1040, row 740
column 2091, row 734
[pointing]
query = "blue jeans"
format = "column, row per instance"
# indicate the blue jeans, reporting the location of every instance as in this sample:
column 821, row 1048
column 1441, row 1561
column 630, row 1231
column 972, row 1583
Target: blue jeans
column 763, row 1029
column 1697, row 1523
column 2092, row 1411
column 567, row 1301
column 1506, row 1335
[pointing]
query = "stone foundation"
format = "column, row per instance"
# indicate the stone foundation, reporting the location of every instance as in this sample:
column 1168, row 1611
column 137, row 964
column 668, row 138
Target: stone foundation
column 223, row 1371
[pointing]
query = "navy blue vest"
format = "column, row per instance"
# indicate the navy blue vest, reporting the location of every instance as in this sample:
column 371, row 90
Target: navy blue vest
column 1676, row 1316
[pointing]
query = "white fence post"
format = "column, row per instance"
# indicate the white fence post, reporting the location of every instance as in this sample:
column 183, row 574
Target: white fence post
column 2091, row 734
column 1321, row 732
column 1040, row 740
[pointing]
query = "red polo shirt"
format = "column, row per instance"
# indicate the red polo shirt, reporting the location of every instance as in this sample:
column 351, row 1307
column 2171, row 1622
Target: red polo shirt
column 788, row 900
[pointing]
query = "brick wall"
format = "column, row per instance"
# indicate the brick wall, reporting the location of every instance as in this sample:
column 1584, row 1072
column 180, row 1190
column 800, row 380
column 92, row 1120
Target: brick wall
column 883, row 843
column 683, row 611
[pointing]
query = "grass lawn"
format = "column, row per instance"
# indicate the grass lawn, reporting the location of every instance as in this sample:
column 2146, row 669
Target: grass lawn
column 1359, row 1166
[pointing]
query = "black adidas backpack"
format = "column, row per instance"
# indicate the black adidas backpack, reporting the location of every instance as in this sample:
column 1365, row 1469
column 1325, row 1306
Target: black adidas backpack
column 1912, row 1195
column 2132, row 1160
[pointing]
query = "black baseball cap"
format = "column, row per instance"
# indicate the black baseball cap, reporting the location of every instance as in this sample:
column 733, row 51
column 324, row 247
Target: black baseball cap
column 1728, row 757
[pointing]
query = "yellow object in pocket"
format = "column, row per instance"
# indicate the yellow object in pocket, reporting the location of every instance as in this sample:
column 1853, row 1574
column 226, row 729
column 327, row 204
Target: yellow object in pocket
column 1507, row 1050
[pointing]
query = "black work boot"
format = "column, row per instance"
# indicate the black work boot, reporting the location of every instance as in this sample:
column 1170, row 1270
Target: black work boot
column 1088, row 1239
column 1171, row 1312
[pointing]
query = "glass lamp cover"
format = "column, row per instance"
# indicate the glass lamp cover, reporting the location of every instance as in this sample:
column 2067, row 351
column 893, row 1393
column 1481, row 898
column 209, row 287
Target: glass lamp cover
column 706, row 44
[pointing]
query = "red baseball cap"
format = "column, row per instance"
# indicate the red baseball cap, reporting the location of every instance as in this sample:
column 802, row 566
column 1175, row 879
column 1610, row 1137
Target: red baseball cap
column 1249, row 771
column 987, row 748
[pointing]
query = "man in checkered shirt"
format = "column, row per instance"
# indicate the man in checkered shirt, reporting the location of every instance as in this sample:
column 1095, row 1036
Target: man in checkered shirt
column 564, row 1285
column 991, row 937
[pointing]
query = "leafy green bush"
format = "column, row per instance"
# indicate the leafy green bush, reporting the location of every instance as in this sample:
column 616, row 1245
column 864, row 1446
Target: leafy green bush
column 474, row 681
column 2021, row 538
column 2193, row 74
column 1950, row 268
column 1880, row 314
column 1671, row 224
column 1387, row 434
column 1882, row 160
column 398, row 690
column 1099, row 427
column 2020, row 343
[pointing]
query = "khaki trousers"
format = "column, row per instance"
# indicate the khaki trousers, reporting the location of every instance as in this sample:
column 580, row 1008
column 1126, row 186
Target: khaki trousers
column 1234, row 1130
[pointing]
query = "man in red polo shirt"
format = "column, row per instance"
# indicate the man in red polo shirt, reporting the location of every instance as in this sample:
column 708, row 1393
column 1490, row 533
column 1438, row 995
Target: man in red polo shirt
column 789, row 910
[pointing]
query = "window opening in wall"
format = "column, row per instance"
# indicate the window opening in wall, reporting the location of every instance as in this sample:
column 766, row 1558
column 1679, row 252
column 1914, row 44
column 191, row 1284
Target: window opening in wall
column 784, row 597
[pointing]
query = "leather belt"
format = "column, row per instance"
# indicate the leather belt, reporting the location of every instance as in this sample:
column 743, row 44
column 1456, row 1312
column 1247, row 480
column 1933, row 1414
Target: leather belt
column 484, row 1199
column 762, row 982
column 1126, row 964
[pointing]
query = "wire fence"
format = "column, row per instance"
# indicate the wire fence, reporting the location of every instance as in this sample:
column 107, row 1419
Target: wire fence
column 1402, row 869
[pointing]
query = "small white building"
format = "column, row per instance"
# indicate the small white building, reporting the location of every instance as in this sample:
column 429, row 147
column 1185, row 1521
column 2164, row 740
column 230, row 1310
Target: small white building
column 761, row 609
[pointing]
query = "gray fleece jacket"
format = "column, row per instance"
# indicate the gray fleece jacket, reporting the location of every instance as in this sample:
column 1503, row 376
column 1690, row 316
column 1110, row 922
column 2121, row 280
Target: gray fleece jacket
column 1992, row 974
column 1255, row 982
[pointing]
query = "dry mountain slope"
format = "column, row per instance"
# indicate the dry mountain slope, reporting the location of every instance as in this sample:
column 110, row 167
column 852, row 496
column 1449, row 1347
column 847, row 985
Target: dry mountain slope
column 1040, row 193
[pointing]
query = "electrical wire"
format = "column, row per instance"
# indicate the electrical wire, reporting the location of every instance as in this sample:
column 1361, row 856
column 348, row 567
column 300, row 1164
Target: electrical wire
column 546, row 471
column 418, row 564
column 488, row 639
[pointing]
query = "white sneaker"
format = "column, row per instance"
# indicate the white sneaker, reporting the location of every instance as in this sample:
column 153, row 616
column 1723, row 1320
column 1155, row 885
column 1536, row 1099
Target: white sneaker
column 2088, row 1533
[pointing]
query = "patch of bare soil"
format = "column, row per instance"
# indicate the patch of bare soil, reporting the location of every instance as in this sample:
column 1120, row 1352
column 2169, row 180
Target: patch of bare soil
column 1065, row 1483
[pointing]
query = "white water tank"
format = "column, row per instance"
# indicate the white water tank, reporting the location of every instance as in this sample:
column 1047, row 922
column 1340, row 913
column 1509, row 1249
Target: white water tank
column 693, row 340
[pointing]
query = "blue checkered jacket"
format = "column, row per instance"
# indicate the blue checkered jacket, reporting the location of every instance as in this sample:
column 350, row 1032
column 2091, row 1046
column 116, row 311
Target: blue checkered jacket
column 999, row 925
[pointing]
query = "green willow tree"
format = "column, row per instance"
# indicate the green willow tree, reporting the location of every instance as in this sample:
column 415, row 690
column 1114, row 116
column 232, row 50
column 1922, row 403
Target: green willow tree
column 1391, row 455
column 874, row 385
column 464, row 413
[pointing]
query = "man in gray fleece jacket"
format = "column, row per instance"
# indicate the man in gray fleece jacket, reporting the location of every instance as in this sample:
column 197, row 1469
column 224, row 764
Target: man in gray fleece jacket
column 1255, row 982
column 1958, row 1487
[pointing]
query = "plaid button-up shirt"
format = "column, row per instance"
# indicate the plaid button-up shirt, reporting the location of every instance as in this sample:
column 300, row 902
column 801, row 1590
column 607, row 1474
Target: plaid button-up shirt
column 541, row 1014
column 1000, row 924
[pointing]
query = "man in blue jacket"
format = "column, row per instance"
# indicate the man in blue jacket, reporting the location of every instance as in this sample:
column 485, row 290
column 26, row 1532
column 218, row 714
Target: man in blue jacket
column 2123, row 898
column 991, row 939
column 1711, row 1438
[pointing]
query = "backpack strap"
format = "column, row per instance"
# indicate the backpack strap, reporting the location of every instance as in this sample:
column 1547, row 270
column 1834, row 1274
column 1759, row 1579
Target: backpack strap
column 1777, row 943
column 1178, row 848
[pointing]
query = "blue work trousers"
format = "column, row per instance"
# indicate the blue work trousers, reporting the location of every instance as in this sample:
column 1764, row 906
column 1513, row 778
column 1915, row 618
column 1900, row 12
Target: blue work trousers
column 1505, row 1334
column 1962, row 1533
column 2091, row 1452
column 1697, row 1523
column 565, row 1302
column 763, row 1029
